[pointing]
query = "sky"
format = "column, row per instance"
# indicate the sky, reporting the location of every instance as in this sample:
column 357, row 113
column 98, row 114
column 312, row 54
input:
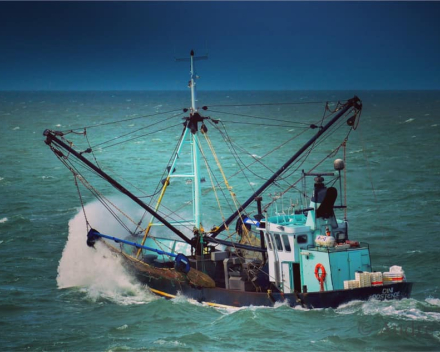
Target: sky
column 251, row 45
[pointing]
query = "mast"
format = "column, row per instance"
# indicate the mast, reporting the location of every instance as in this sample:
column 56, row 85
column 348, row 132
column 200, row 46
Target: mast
column 192, row 124
column 195, row 151
column 354, row 103
column 193, row 83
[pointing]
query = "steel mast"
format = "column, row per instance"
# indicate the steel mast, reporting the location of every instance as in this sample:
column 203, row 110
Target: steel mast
column 192, row 125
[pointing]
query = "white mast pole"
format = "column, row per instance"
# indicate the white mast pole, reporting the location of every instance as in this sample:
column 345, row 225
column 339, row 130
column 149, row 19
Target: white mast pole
column 195, row 151
column 193, row 84
column 194, row 140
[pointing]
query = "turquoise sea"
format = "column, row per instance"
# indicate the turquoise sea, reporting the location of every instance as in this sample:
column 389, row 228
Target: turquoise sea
column 56, row 294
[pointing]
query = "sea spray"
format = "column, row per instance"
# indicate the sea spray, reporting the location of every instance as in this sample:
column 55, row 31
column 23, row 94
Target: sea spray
column 97, row 271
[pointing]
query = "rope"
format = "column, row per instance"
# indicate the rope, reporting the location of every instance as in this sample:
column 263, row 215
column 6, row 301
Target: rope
column 131, row 139
column 228, row 186
column 271, row 104
column 77, row 175
column 262, row 118
column 212, row 183
column 332, row 153
column 90, row 147
column 82, row 203
column 119, row 121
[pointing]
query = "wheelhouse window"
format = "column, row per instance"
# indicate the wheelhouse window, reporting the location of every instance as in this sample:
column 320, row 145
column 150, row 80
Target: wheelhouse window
column 301, row 239
column 286, row 243
column 278, row 242
column 269, row 241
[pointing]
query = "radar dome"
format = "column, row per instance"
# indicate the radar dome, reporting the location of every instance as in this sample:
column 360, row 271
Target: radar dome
column 339, row 164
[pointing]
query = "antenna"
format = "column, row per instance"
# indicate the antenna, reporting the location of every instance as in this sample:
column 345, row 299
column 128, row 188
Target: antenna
column 192, row 82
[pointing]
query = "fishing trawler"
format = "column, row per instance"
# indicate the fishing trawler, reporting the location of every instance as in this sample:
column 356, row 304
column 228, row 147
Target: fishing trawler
column 263, row 253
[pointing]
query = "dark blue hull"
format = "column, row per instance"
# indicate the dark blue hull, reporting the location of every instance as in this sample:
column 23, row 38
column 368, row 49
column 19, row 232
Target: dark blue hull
column 235, row 298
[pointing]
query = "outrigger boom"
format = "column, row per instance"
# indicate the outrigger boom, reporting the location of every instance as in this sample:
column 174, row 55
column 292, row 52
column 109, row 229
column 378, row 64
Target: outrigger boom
column 354, row 103
column 51, row 137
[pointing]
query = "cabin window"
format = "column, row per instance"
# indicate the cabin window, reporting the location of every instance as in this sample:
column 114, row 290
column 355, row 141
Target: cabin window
column 286, row 243
column 269, row 241
column 278, row 242
column 301, row 239
column 341, row 237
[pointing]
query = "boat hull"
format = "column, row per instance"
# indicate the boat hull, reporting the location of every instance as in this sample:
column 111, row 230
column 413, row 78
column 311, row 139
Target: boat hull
column 235, row 298
column 176, row 284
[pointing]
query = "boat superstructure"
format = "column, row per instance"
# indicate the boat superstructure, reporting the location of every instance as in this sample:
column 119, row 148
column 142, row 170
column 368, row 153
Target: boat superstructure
column 297, row 252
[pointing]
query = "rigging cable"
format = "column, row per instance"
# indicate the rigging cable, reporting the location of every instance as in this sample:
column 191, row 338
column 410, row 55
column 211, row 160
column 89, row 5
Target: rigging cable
column 211, row 175
column 269, row 104
column 119, row 121
column 77, row 175
column 102, row 199
column 225, row 180
column 306, row 125
column 90, row 147
column 137, row 130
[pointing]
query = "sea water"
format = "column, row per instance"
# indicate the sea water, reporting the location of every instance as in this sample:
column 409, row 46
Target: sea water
column 58, row 294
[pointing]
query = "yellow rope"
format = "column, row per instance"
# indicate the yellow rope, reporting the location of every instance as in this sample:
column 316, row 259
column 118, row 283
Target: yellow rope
column 150, row 224
column 213, row 184
column 214, row 154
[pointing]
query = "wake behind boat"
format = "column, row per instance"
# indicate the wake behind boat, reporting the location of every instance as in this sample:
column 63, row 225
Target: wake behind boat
column 264, row 252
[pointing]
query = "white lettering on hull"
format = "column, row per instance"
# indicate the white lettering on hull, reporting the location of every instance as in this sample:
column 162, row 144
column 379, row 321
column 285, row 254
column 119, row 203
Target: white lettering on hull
column 387, row 293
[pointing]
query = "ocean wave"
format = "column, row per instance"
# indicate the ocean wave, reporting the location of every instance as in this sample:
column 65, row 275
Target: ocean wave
column 97, row 272
column 406, row 309
column 3, row 220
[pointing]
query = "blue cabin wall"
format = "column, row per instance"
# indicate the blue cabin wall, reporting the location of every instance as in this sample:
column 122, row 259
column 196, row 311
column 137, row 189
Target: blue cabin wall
column 308, row 264
column 339, row 266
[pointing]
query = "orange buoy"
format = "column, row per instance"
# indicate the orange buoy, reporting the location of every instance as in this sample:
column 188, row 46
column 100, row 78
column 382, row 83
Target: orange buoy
column 320, row 274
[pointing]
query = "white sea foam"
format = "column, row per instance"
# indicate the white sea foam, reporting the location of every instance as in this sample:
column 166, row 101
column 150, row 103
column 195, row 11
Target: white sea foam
column 406, row 309
column 3, row 220
column 433, row 301
column 16, row 128
column 169, row 343
column 96, row 270
column 349, row 308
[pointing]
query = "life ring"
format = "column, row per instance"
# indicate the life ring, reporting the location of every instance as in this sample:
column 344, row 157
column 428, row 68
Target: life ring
column 320, row 277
